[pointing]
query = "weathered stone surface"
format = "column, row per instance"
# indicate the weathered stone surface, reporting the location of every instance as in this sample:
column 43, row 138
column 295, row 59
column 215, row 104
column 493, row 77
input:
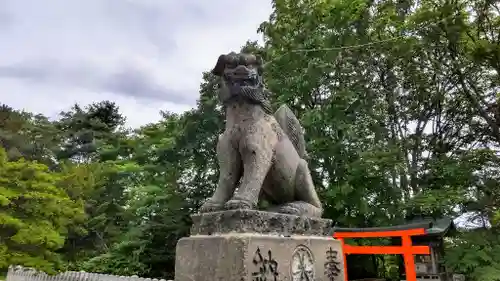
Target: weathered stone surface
column 252, row 221
column 241, row 257
column 261, row 155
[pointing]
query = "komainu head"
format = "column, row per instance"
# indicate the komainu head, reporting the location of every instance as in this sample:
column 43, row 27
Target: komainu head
column 242, row 70
column 241, row 77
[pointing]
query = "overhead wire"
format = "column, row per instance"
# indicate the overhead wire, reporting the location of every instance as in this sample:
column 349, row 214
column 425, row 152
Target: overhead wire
column 440, row 21
column 333, row 48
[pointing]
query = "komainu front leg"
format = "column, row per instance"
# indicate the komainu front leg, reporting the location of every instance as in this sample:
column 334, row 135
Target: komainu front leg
column 257, row 160
column 230, row 172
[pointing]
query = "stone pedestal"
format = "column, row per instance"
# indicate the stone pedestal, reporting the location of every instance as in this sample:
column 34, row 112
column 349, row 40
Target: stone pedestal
column 246, row 245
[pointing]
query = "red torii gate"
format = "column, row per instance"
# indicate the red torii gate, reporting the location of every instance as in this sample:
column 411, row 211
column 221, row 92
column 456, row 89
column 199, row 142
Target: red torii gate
column 405, row 232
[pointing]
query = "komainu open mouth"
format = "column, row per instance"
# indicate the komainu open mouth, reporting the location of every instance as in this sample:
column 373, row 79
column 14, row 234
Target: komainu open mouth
column 243, row 81
column 241, row 76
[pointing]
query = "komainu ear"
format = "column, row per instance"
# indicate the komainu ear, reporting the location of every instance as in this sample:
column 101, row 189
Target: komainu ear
column 260, row 64
column 219, row 66
column 259, row 60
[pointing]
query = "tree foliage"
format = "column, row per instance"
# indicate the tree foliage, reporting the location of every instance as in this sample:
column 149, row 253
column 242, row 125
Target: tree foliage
column 35, row 215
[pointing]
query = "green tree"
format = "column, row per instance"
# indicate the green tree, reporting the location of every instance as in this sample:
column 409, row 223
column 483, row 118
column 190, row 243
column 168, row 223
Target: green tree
column 35, row 215
column 85, row 130
column 24, row 135
column 387, row 92
column 92, row 140
column 158, row 205
column 476, row 254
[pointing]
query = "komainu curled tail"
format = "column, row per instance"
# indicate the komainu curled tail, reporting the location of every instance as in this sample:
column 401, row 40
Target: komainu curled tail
column 291, row 126
column 308, row 202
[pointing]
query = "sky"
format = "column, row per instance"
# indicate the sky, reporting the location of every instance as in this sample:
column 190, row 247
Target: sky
column 145, row 55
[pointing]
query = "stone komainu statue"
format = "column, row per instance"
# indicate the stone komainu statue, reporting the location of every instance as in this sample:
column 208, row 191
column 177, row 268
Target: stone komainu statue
column 261, row 155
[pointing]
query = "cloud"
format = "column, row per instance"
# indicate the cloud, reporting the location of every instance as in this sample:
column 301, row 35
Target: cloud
column 127, row 80
column 147, row 55
column 5, row 19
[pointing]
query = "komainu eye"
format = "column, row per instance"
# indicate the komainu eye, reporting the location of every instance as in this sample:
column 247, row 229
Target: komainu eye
column 231, row 62
column 243, row 60
column 251, row 59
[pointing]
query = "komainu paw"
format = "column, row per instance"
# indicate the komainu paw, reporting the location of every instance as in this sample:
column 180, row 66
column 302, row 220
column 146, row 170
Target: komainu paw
column 210, row 206
column 234, row 204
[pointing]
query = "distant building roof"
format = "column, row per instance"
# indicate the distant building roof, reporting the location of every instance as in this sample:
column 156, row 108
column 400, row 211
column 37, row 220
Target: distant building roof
column 437, row 227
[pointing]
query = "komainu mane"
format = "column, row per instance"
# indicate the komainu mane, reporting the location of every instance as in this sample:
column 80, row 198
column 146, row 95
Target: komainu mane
column 261, row 155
